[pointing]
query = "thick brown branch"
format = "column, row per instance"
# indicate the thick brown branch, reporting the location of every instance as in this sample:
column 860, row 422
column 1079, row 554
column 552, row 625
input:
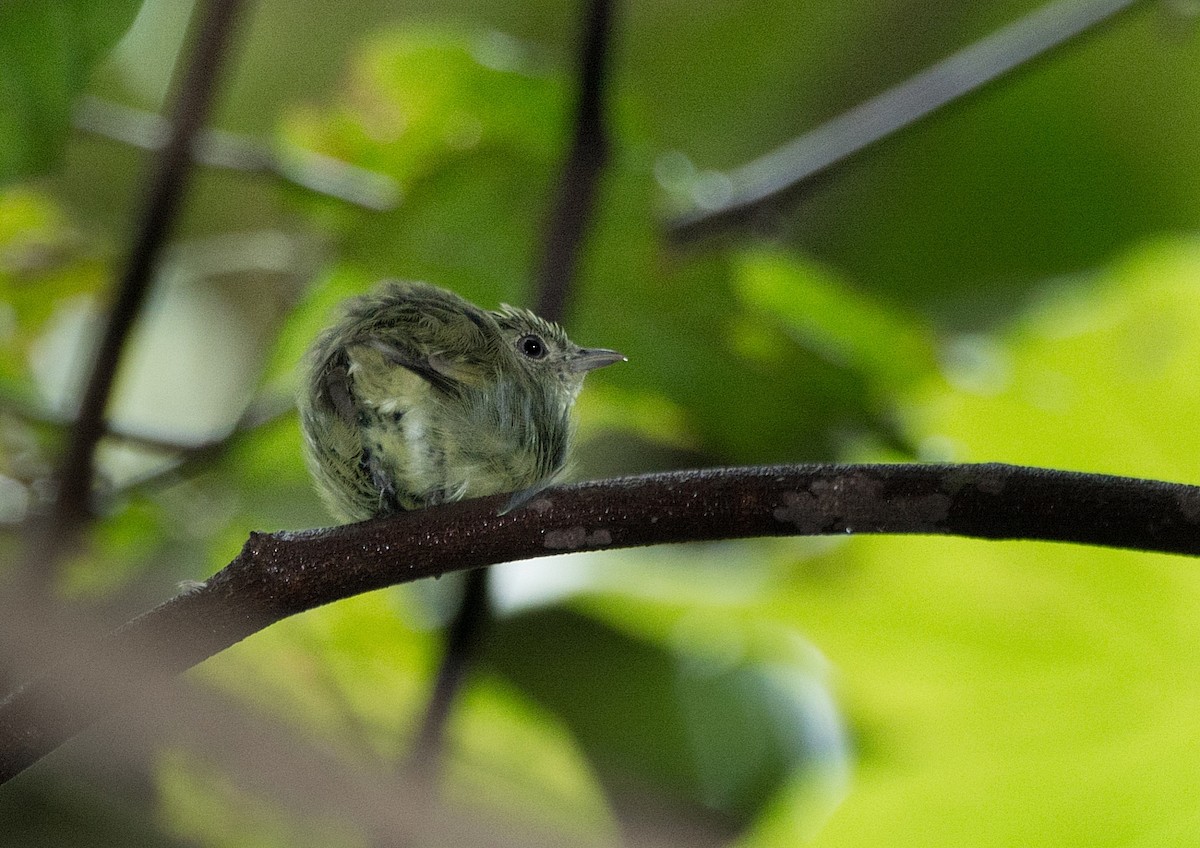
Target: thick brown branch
column 775, row 177
column 280, row 574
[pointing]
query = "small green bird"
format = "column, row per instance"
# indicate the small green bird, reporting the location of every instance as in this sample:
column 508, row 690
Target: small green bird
column 417, row 397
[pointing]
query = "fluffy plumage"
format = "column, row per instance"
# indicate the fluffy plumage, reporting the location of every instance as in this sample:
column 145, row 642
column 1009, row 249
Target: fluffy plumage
column 417, row 397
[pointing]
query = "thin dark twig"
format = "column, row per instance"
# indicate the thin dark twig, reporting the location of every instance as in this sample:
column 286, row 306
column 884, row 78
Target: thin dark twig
column 166, row 190
column 566, row 229
column 195, row 457
column 229, row 151
column 577, row 183
column 773, row 178
column 464, row 637
column 260, row 413
column 277, row 575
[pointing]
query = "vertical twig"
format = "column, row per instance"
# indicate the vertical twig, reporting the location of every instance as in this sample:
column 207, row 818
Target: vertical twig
column 566, row 229
column 575, row 198
column 71, row 507
column 463, row 638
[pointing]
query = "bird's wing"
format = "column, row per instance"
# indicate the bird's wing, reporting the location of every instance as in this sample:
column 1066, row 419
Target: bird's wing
column 445, row 373
column 335, row 389
column 446, row 341
column 443, row 339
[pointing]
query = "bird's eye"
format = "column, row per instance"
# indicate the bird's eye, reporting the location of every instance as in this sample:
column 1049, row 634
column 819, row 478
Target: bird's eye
column 532, row 346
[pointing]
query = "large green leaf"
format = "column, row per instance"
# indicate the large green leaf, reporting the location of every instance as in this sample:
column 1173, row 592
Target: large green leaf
column 1032, row 694
column 47, row 52
column 711, row 734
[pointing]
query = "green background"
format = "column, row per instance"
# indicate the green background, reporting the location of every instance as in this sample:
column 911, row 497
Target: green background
column 1015, row 279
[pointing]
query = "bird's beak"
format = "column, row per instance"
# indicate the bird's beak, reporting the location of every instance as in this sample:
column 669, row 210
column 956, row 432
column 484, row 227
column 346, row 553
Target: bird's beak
column 591, row 358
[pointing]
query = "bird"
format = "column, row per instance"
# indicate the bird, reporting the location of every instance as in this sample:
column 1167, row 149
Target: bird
column 416, row 397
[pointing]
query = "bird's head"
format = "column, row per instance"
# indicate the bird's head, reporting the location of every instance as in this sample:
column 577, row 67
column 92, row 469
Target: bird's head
column 543, row 353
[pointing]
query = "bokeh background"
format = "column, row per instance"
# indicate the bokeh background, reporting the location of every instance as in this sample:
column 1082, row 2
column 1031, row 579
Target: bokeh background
column 1016, row 278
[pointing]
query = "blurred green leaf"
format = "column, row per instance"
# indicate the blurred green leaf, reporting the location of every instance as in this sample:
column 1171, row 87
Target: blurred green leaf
column 43, row 262
column 357, row 674
column 652, row 416
column 716, row 733
column 1099, row 375
column 205, row 807
column 849, row 329
column 511, row 756
column 352, row 673
column 118, row 551
column 262, row 471
column 1019, row 693
column 469, row 128
column 417, row 99
column 47, row 51
column 680, row 322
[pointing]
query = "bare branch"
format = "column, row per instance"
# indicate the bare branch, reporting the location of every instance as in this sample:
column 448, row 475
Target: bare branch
column 577, row 183
column 277, row 575
column 773, row 178
column 259, row 413
column 566, row 230
column 229, row 151
column 463, row 638
column 195, row 456
column 166, row 191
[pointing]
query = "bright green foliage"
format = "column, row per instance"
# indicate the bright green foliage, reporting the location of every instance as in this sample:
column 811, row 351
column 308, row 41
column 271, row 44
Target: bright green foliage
column 1022, row 693
column 825, row 315
column 465, row 127
column 1098, row 376
column 352, row 673
column 416, row 101
column 43, row 262
column 47, row 51
column 510, row 755
column 720, row 731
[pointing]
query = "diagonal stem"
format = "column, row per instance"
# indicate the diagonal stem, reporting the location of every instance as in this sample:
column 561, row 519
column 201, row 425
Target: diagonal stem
column 217, row 149
column 575, row 197
column 775, row 177
column 464, row 637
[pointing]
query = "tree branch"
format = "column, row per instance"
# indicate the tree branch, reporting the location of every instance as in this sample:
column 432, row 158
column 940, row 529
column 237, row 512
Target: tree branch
column 577, row 183
column 259, row 413
column 166, row 191
column 463, row 638
column 277, row 575
column 217, row 149
column 775, row 177
column 566, row 230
